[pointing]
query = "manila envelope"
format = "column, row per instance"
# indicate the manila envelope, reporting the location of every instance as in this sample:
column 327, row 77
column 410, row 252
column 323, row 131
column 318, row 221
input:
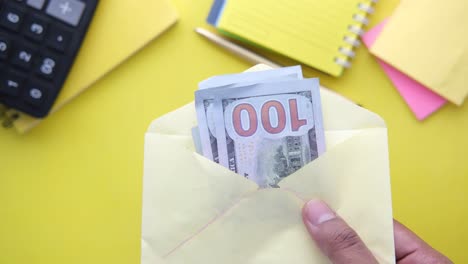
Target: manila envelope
column 195, row 211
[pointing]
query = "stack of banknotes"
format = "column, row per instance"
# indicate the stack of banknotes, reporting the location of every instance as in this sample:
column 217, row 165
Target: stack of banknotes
column 263, row 125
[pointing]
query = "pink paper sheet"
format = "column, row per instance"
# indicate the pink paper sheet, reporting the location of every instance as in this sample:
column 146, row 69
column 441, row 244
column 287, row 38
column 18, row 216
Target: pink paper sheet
column 422, row 101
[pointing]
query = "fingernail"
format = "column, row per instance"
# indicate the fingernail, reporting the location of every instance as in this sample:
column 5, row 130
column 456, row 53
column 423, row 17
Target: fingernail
column 318, row 212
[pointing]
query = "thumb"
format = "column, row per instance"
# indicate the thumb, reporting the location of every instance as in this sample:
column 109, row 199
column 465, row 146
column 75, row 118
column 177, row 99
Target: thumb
column 333, row 236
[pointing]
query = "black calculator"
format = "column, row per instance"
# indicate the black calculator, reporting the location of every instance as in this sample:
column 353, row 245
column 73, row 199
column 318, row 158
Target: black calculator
column 39, row 41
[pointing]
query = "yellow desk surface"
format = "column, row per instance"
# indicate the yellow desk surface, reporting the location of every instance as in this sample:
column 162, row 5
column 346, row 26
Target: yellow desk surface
column 70, row 191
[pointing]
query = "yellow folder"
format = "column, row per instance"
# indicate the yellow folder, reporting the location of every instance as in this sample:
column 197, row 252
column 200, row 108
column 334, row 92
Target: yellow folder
column 118, row 30
column 427, row 40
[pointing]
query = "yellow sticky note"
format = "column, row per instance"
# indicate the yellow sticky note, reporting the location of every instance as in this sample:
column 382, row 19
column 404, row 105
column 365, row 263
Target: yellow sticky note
column 427, row 40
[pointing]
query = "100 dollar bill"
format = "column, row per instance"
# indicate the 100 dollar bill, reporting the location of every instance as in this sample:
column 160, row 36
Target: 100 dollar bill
column 267, row 131
column 206, row 134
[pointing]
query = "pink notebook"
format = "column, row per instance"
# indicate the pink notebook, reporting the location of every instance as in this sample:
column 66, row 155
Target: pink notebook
column 422, row 101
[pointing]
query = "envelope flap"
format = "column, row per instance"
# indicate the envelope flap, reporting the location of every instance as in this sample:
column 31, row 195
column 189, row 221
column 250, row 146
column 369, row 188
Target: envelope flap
column 148, row 255
column 341, row 114
column 182, row 191
column 265, row 227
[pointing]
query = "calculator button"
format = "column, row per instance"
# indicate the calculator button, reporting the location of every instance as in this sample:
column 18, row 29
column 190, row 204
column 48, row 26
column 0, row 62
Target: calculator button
column 47, row 67
column 58, row 39
column 35, row 94
column 39, row 42
column 11, row 84
column 23, row 58
column 11, row 18
column 35, row 29
column 4, row 47
column 68, row 11
column 37, row 4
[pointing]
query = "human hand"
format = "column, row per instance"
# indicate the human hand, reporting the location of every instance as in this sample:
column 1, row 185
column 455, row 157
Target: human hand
column 343, row 245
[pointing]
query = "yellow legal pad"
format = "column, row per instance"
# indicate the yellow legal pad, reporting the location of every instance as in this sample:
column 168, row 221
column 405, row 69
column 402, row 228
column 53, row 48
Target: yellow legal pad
column 118, row 30
column 427, row 40
column 319, row 33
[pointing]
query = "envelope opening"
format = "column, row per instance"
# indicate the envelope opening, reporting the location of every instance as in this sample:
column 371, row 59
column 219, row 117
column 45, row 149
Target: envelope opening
column 333, row 138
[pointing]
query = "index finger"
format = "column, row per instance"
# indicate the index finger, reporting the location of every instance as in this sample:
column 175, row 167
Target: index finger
column 409, row 248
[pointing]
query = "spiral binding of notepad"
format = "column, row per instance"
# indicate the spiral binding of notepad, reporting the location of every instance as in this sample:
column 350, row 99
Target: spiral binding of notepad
column 8, row 116
column 347, row 52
